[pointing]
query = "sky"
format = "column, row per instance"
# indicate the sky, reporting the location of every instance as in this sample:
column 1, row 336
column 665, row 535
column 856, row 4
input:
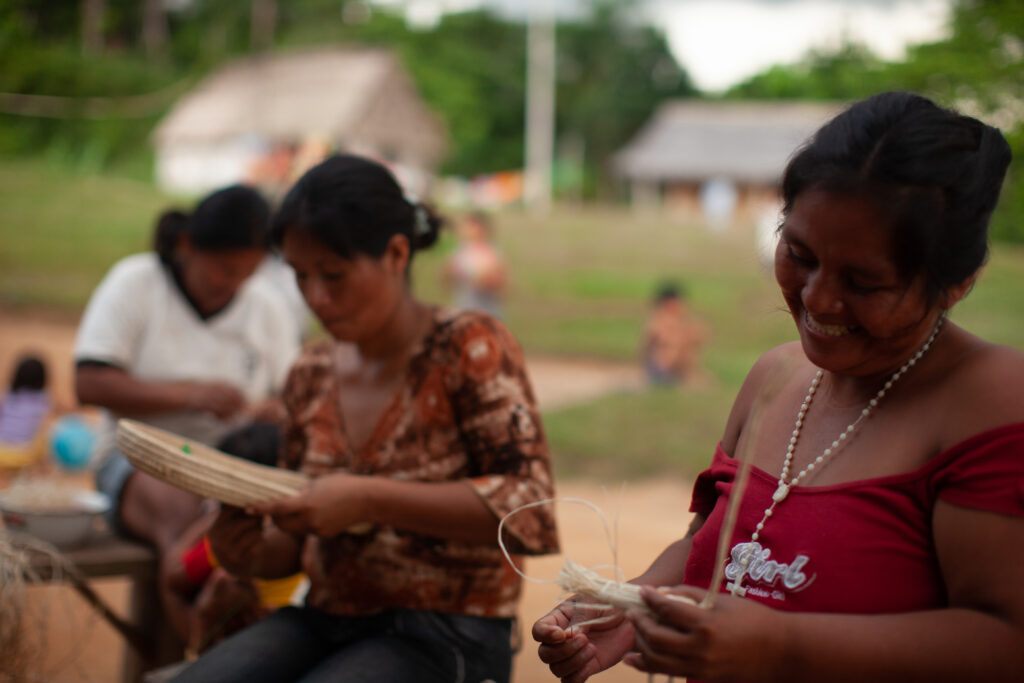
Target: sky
column 722, row 42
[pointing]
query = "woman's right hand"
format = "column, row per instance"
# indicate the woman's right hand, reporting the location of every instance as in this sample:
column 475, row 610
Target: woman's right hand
column 236, row 539
column 217, row 398
column 575, row 653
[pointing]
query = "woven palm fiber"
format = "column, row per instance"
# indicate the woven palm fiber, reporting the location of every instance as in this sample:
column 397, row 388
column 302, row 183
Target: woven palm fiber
column 203, row 470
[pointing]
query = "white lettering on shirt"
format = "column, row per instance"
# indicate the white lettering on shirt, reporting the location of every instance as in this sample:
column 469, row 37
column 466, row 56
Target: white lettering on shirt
column 754, row 560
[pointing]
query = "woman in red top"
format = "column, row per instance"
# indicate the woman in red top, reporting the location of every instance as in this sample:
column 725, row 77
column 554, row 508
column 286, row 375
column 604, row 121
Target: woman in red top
column 420, row 429
column 879, row 538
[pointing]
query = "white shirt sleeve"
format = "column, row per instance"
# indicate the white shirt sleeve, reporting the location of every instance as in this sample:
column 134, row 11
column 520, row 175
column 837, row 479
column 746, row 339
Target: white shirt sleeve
column 282, row 335
column 115, row 316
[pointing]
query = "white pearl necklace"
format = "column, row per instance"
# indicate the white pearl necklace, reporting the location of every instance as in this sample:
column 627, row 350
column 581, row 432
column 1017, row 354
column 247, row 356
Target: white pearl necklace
column 784, row 486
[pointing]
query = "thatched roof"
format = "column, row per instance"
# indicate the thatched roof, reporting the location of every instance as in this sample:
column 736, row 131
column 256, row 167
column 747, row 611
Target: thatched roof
column 748, row 142
column 343, row 95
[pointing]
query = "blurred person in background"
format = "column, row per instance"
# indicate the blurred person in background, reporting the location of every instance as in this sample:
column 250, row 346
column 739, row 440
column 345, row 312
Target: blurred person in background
column 221, row 603
column 183, row 339
column 879, row 536
column 672, row 338
column 24, row 413
column 476, row 273
column 421, row 431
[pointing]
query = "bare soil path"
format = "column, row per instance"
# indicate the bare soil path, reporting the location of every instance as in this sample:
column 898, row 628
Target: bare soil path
column 81, row 648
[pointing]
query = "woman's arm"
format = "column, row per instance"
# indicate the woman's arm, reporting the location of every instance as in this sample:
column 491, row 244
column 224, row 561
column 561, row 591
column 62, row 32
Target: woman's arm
column 112, row 388
column 979, row 637
column 667, row 569
column 449, row 510
column 508, row 458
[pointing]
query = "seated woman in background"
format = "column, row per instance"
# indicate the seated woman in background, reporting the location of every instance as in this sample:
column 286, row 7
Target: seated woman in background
column 421, row 431
column 184, row 340
column 880, row 535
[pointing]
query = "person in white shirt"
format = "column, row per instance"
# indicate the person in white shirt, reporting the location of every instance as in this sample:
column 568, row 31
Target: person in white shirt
column 184, row 339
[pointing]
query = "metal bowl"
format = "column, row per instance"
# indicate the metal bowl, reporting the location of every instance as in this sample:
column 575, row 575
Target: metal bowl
column 70, row 526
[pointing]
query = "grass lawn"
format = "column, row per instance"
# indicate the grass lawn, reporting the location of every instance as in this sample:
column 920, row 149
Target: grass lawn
column 581, row 282
column 60, row 231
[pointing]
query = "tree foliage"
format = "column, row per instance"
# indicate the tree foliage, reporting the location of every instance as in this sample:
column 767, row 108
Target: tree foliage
column 470, row 68
column 977, row 69
column 612, row 74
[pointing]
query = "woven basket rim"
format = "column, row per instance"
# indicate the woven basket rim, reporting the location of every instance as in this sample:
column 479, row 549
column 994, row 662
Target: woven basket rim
column 203, row 470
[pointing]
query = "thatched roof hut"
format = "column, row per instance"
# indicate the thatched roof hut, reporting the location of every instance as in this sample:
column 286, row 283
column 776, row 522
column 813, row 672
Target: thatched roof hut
column 688, row 143
column 352, row 99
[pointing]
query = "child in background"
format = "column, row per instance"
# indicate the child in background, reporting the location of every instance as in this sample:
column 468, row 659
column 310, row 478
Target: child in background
column 24, row 413
column 476, row 271
column 672, row 339
column 218, row 602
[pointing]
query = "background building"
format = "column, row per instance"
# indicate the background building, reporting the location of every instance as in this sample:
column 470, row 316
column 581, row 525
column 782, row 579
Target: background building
column 265, row 119
column 722, row 160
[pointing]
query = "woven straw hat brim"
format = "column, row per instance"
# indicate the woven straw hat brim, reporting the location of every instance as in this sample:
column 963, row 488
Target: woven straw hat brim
column 204, row 471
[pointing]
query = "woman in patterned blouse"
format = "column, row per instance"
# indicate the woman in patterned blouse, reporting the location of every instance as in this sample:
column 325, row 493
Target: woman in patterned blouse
column 421, row 431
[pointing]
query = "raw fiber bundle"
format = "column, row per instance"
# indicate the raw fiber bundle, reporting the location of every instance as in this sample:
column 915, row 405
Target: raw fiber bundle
column 24, row 647
column 202, row 470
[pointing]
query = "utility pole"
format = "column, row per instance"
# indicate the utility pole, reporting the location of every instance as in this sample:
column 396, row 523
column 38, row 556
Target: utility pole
column 540, row 105
column 262, row 23
column 154, row 28
column 93, row 12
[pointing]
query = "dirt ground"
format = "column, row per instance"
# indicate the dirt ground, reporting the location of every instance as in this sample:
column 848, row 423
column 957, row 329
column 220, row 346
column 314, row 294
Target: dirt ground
column 81, row 648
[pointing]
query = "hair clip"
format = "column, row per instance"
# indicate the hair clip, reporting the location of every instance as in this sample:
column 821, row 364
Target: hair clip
column 422, row 225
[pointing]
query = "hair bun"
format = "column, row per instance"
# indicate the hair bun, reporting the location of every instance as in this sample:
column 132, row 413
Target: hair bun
column 427, row 225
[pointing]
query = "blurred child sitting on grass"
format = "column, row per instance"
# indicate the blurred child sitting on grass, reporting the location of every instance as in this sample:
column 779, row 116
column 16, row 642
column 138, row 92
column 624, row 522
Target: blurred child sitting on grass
column 672, row 339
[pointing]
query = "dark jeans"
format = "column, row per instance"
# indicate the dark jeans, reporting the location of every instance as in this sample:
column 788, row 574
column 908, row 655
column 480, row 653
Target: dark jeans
column 396, row 646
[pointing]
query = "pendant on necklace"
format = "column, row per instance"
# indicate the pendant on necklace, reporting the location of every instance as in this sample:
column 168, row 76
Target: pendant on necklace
column 781, row 492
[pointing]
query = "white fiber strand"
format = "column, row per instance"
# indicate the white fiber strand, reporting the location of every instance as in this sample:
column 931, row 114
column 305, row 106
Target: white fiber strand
column 575, row 579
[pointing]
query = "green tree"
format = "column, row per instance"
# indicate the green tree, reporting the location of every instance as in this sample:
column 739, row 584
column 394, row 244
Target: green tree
column 978, row 69
column 470, row 68
column 850, row 72
column 612, row 74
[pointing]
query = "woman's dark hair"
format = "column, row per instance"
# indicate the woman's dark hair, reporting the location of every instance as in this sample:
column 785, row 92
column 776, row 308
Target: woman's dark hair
column 257, row 442
column 29, row 374
column 354, row 206
column 934, row 175
column 235, row 217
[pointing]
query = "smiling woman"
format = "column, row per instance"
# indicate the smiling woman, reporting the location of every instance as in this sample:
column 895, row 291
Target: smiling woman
column 854, row 311
column 871, row 541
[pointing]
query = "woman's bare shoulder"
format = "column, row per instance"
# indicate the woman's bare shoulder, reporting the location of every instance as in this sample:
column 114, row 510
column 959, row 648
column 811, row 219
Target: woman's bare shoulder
column 766, row 378
column 983, row 387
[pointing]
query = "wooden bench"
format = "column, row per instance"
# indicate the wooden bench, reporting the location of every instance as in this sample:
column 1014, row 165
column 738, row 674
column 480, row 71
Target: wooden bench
column 151, row 641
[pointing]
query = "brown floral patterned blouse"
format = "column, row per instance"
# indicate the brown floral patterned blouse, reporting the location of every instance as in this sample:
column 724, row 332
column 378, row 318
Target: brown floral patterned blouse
column 466, row 412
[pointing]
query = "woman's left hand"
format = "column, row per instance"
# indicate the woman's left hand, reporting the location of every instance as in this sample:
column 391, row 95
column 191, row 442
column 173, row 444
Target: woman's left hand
column 330, row 505
column 735, row 640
